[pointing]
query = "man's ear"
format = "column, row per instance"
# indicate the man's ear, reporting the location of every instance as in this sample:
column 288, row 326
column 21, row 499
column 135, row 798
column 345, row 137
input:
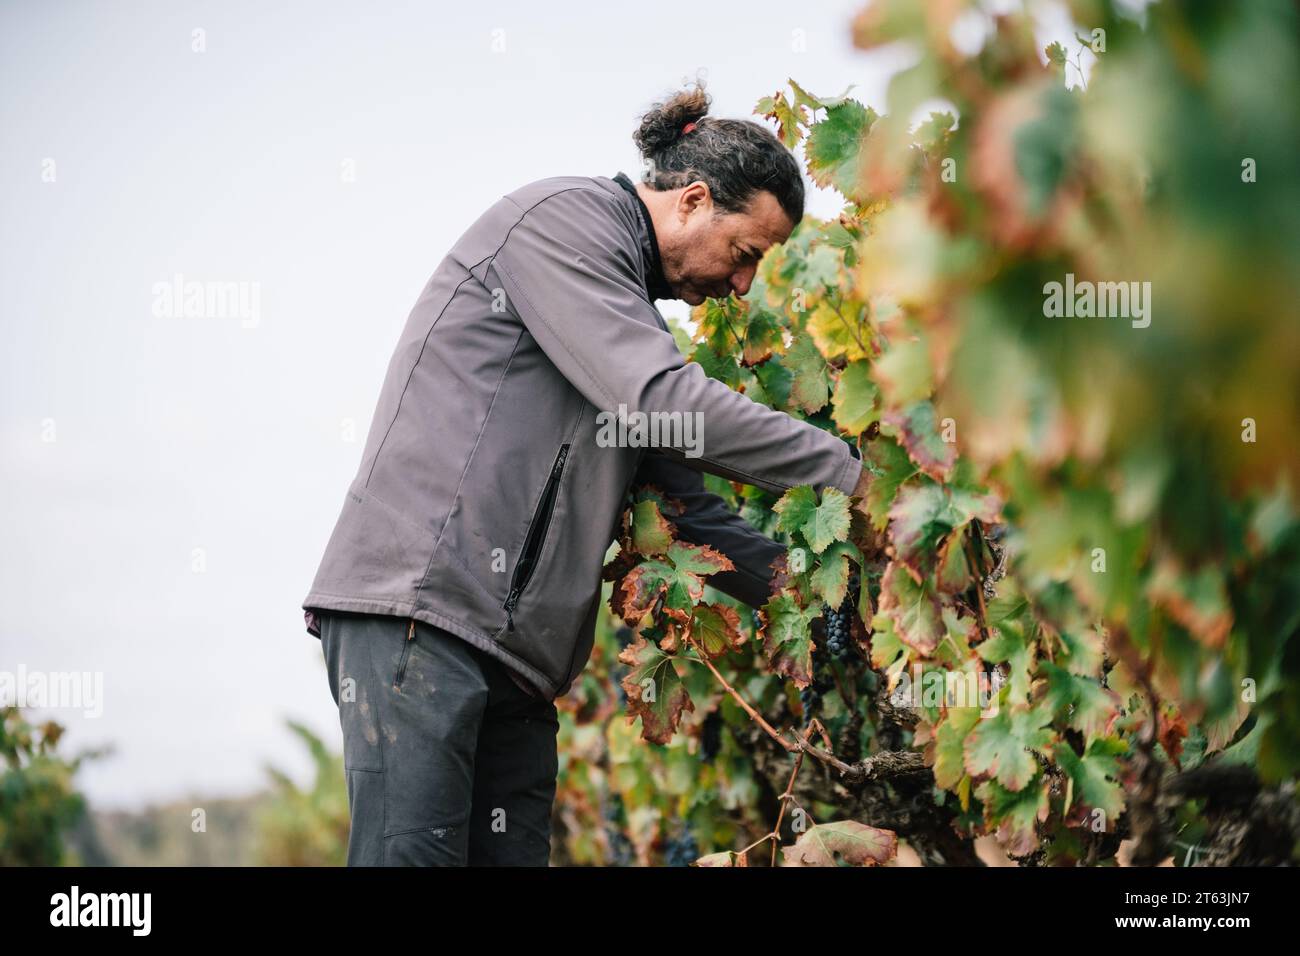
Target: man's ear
column 694, row 198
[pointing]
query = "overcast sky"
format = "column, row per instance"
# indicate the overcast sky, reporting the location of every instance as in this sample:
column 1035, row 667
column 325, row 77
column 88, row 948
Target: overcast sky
column 325, row 155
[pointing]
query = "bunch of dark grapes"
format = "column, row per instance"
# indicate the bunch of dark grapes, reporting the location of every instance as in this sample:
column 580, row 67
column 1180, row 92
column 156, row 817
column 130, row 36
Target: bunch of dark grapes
column 839, row 637
column 756, row 620
column 823, row 681
column 711, row 737
column 620, row 847
column 682, row 850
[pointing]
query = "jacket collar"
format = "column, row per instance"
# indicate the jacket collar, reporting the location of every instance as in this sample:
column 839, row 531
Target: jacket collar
column 656, row 285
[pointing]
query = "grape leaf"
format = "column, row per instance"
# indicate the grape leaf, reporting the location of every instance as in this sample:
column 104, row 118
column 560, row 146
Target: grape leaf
column 716, row 628
column 918, row 433
column 913, row 608
column 949, row 739
column 1087, row 706
column 655, row 692
column 787, row 637
column 890, row 467
column 857, row 844
column 810, row 384
column 1094, row 776
column 1016, row 813
column 903, row 373
column 788, row 118
column 820, row 524
column 1000, row 745
column 679, row 579
column 855, row 399
column 651, row 532
column 830, row 579
column 833, row 148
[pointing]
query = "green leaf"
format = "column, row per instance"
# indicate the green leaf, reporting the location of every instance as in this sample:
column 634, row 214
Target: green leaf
column 833, row 148
column 698, row 559
column 856, row 399
column 788, row 118
column 762, row 337
column 890, row 467
column 1000, row 745
column 810, row 385
column 1016, row 813
column 787, row 638
column 655, row 692
column 830, row 579
column 1007, row 644
column 1085, row 705
column 918, row 521
column 829, row 522
column 903, row 373
column 949, row 740
column 885, row 643
column 820, row 524
column 652, row 533
column 772, row 384
column 913, row 608
column 721, row 367
column 716, row 628
column 918, row 432
column 1094, row 777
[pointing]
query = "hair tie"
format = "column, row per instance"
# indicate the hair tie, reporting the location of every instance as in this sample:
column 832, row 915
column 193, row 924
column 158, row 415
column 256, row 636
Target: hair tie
column 687, row 128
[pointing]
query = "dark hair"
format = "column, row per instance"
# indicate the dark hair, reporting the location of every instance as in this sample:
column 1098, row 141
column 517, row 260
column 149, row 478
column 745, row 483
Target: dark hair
column 735, row 158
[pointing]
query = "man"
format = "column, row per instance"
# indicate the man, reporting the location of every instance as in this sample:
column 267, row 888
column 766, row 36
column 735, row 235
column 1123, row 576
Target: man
column 457, row 597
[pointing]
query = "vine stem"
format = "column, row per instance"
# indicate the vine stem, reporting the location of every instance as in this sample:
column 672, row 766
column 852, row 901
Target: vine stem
column 978, row 567
column 787, row 798
column 753, row 714
column 801, row 746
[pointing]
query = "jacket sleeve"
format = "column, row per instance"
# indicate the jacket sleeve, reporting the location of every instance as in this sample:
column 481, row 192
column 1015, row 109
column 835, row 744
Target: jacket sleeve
column 707, row 519
column 570, row 268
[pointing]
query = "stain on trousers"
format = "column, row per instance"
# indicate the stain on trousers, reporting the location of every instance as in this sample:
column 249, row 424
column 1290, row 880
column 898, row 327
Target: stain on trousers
column 448, row 761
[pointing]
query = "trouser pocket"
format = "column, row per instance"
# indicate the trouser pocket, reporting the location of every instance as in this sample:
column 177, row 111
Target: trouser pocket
column 406, row 656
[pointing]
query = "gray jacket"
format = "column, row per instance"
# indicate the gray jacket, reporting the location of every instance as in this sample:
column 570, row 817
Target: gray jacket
column 486, row 499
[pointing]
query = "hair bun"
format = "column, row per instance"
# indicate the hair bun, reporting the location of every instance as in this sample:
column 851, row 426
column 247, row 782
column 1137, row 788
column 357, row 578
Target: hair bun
column 666, row 122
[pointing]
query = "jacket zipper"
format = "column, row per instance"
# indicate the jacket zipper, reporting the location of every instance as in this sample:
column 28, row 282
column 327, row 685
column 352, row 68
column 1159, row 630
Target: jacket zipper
column 406, row 654
column 537, row 527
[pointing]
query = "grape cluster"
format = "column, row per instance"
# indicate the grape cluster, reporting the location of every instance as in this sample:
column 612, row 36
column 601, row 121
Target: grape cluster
column 621, row 852
column 711, row 737
column 682, row 850
column 839, row 639
column 823, row 681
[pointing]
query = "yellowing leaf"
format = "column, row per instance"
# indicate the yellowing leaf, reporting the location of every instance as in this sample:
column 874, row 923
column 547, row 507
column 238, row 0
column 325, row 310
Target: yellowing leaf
column 856, row 844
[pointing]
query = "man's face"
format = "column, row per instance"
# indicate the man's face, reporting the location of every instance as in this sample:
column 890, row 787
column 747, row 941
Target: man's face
column 712, row 253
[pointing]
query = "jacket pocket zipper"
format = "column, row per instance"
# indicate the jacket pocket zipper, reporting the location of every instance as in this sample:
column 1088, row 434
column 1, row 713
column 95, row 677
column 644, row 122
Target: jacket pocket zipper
column 406, row 655
column 536, row 535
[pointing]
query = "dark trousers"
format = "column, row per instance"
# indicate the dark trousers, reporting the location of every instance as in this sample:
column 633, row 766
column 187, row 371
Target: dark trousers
column 448, row 761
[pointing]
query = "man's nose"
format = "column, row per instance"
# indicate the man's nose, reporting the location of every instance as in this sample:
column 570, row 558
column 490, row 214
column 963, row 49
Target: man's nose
column 742, row 280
